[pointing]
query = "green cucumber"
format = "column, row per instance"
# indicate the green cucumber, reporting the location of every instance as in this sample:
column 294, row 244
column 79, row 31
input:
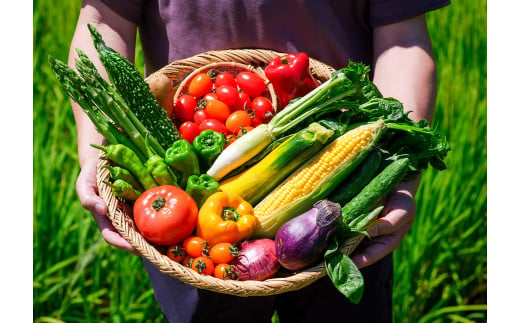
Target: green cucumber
column 382, row 184
column 357, row 180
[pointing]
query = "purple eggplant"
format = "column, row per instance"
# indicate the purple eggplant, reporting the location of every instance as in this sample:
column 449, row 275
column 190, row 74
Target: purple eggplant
column 301, row 241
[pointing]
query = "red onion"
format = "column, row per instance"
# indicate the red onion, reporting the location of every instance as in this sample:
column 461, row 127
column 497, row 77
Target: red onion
column 257, row 260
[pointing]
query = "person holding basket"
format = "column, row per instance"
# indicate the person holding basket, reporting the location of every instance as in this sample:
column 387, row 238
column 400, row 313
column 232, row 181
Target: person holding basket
column 390, row 36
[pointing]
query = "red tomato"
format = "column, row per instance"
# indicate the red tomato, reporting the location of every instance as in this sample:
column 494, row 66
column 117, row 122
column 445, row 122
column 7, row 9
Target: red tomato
column 195, row 246
column 213, row 124
column 263, row 108
column 176, row 253
column 200, row 85
column 228, row 94
column 226, row 272
column 223, row 253
column 244, row 130
column 225, row 78
column 184, row 109
column 244, row 101
column 238, row 119
column 210, row 96
column 165, row 214
column 230, row 139
column 203, row 265
column 199, row 116
column 256, row 121
column 189, row 130
column 216, row 109
column 251, row 83
column 187, row 260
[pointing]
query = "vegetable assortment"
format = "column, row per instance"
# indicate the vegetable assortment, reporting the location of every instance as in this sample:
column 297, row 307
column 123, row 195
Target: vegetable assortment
column 231, row 189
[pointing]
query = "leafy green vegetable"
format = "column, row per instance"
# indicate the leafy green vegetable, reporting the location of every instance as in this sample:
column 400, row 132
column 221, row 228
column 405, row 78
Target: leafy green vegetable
column 416, row 141
column 344, row 274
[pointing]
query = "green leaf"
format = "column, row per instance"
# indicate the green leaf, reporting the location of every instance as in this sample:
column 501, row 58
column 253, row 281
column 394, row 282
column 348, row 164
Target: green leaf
column 345, row 275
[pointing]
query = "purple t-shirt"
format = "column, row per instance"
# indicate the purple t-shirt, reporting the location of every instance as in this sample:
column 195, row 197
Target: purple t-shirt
column 333, row 31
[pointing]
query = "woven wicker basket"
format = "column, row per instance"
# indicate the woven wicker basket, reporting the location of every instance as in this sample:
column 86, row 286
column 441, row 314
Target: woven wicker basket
column 121, row 214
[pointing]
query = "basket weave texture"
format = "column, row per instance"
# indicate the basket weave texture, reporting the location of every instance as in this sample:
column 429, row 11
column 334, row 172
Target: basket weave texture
column 121, row 215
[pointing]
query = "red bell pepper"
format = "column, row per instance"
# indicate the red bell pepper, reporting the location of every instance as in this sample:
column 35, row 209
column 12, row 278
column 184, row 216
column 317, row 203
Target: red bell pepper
column 290, row 76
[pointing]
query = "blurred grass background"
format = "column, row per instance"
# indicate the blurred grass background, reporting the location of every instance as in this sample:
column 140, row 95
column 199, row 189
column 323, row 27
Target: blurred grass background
column 440, row 268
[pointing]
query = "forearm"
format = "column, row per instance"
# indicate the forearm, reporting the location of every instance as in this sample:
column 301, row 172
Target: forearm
column 404, row 67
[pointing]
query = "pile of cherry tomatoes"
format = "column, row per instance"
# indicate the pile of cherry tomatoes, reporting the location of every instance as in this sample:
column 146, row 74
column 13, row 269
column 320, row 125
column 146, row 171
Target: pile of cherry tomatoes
column 222, row 102
column 216, row 261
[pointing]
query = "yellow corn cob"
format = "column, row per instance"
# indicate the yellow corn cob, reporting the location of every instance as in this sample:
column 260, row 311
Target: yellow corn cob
column 315, row 179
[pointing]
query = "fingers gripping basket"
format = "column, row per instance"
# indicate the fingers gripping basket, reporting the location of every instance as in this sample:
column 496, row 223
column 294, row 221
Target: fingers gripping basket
column 121, row 216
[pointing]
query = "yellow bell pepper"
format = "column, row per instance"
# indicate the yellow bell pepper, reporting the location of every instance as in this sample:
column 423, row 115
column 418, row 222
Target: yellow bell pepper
column 226, row 217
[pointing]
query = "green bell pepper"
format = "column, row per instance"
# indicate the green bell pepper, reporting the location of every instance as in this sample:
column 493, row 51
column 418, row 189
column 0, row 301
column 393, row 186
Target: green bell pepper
column 208, row 145
column 201, row 187
column 182, row 158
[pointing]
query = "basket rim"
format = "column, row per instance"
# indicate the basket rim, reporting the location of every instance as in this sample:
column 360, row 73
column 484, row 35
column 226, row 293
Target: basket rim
column 121, row 217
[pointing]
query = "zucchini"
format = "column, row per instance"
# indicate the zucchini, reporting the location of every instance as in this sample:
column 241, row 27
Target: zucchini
column 357, row 180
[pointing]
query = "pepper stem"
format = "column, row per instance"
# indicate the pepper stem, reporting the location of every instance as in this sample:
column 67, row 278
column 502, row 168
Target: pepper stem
column 230, row 214
column 284, row 60
column 158, row 203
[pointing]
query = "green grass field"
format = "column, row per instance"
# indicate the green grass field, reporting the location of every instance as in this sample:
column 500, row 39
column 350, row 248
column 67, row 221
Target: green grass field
column 440, row 268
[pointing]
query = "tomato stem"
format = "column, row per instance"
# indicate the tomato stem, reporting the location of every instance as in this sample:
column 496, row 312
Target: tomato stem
column 158, row 203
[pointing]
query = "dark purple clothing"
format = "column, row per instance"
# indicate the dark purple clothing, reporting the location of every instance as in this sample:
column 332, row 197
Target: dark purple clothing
column 333, row 31
column 320, row 302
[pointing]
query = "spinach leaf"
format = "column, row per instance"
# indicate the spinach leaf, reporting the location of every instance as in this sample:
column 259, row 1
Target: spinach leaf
column 345, row 275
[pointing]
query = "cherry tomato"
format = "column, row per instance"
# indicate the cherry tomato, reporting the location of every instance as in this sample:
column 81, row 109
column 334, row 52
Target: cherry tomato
column 189, row 130
column 216, row 109
column 199, row 116
column 244, row 130
column 187, row 260
column 223, row 253
column 263, row 108
column 256, row 121
column 234, row 136
column 225, row 78
column 228, row 94
column 230, row 138
column 200, row 85
column 184, row 109
column 244, row 101
column 226, row 272
column 195, row 246
column 210, row 96
column 238, row 119
column 203, row 265
column 251, row 83
column 213, row 124
column 176, row 253
column 165, row 214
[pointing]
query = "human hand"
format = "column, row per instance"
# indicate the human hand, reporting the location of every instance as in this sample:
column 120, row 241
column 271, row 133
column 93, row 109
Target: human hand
column 388, row 231
column 86, row 188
